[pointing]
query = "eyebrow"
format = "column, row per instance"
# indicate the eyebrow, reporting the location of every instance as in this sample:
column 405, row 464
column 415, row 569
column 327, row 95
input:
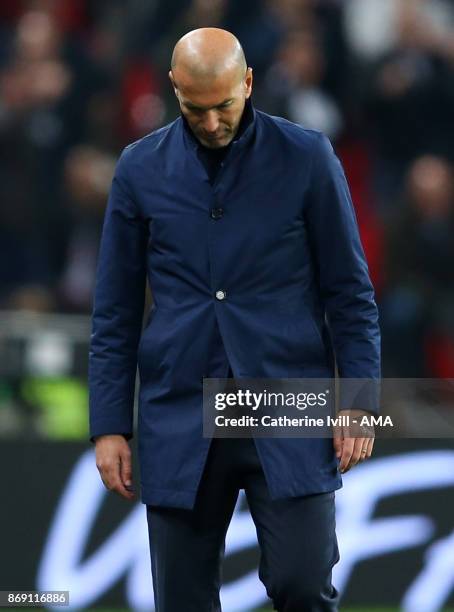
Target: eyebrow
column 195, row 107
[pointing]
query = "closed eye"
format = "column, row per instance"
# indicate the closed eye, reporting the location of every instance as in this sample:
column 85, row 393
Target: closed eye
column 196, row 109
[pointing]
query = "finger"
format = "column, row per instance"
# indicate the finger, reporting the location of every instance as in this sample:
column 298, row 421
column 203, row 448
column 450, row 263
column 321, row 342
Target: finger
column 357, row 452
column 117, row 483
column 117, row 486
column 111, row 476
column 347, row 450
column 364, row 448
column 120, row 488
column 126, row 469
column 370, row 447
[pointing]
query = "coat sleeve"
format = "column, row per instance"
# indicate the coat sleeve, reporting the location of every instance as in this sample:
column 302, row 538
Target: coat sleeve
column 343, row 275
column 117, row 311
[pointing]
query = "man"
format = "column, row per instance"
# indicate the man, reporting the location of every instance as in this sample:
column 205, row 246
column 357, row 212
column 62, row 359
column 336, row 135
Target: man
column 245, row 226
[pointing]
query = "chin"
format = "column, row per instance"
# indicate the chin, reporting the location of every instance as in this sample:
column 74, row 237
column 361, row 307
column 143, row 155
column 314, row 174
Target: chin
column 221, row 143
column 216, row 144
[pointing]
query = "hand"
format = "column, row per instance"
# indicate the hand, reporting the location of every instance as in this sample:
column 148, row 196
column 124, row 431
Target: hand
column 351, row 447
column 113, row 460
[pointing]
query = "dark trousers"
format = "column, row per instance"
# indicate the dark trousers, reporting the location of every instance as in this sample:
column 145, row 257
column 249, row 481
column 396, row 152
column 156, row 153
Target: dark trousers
column 297, row 539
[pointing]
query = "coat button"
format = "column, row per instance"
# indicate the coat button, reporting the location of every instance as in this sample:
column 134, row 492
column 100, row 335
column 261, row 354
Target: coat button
column 221, row 295
column 216, row 213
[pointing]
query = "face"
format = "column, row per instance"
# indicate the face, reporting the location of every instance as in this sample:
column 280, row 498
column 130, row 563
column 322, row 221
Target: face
column 213, row 109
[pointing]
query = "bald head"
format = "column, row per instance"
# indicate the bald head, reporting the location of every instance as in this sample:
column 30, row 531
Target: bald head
column 208, row 53
column 211, row 81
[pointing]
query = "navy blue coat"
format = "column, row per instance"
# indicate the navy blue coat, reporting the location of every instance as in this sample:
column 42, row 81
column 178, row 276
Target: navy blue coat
column 277, row 233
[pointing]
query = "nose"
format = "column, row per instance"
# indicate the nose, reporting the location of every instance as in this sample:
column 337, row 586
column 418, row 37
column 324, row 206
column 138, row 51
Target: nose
column 211, row 122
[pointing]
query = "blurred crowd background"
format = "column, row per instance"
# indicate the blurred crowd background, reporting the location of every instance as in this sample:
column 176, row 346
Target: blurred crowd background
column 80, row 79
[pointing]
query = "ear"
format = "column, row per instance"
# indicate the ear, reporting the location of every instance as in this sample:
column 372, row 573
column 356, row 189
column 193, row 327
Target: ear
column 248, row 82
column 175, row 88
